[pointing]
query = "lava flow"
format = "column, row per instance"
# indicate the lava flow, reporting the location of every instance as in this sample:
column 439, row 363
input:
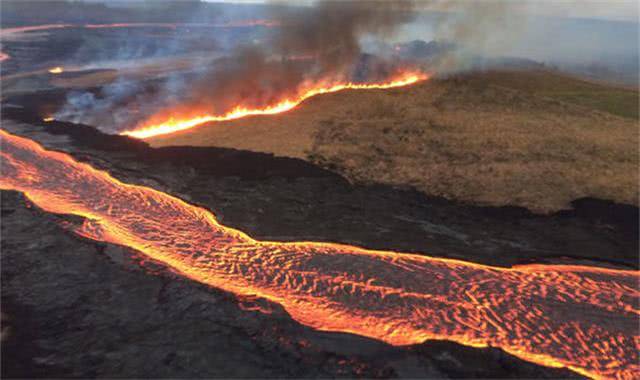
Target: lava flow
column 230, row 24
column 5, row 32
column 306, row 91
column 584, row 318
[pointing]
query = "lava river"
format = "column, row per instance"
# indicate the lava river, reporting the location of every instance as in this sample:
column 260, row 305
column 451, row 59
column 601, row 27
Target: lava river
column 584, row 318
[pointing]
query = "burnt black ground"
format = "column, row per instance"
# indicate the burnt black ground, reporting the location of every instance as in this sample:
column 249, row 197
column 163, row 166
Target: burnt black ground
column 80, row 308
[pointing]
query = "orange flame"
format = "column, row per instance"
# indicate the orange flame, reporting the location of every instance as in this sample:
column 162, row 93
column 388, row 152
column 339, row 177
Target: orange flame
column 178, row 124
column 56, row 70
column 583, row 318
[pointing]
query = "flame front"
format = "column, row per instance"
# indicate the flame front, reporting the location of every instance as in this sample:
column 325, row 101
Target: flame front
column 175, row 124
column 584, row 318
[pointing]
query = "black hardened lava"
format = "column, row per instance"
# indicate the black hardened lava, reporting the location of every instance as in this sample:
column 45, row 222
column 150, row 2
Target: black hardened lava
column 73, row 307
column 297, row 200
column 120, row 315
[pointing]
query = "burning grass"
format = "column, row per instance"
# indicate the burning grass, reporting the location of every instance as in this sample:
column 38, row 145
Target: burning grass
column 494, row 138
column 173, row 125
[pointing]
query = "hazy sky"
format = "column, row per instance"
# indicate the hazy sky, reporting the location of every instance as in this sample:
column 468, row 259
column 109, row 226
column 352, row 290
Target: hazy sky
column 600, row 9
column 603, row 9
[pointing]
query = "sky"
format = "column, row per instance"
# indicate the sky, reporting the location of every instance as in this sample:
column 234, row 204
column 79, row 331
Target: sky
column 626, row 10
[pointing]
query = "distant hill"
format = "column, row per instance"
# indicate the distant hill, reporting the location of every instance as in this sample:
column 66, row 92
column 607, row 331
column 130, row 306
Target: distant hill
column 536, row 139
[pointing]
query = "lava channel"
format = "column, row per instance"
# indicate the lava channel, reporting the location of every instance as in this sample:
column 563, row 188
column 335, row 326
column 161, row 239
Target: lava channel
column 583, row 318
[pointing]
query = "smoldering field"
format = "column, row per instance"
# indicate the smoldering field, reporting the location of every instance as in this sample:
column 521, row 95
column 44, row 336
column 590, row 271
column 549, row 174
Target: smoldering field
column 124, row 77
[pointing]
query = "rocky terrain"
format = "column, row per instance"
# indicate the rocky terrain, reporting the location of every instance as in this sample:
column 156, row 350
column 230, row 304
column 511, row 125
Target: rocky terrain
column 74, row 307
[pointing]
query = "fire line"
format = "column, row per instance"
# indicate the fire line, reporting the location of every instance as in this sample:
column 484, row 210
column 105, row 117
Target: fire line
column 583, row 318
column 174, row 124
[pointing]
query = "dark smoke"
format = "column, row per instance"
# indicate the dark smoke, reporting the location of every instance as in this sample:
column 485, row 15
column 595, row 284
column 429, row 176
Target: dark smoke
column 320, row 42
column 328, row 33
column 249, row 77
column 331, row 31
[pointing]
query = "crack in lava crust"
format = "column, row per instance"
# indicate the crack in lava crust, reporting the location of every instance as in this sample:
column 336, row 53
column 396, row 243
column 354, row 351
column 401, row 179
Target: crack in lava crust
column 584, row 318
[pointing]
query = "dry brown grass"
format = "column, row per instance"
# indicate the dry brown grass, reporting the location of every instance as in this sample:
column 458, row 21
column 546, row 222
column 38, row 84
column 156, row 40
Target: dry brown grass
column 480, row 138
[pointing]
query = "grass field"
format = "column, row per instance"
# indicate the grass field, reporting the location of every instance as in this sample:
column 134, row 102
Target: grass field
column 615, row 100
column 532, row 139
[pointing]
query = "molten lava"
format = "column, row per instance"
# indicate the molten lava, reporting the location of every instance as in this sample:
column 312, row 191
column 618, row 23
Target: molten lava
column 5, row 32
column 231, row 24
column 239, row 23
column 584, row 318
column 56, row 70
column 175, row 124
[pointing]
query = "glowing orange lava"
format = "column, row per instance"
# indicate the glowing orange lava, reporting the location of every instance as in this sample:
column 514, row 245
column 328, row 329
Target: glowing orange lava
column 239, row 23
column 56, row 70
column 33, row 28
column 584, row 318
column 231, row 24
column 306, row 91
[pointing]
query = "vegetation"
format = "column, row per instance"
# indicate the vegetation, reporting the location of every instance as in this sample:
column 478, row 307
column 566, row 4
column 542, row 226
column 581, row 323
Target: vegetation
column 510, row 138
column 615, row 100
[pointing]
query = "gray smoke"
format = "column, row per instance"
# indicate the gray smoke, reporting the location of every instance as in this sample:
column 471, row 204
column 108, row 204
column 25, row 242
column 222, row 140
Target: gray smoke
column 312, row 43
column 328, row 33
column 325, row 41
column 331, row 31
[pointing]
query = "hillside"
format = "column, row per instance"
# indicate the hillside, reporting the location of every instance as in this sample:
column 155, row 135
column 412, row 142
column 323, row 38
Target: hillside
column 532, row 139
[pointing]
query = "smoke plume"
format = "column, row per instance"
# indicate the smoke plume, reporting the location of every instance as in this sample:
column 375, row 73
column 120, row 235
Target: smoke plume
column 316, row 43
column 324, row 42
column 331, row 31
column 311, row 44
